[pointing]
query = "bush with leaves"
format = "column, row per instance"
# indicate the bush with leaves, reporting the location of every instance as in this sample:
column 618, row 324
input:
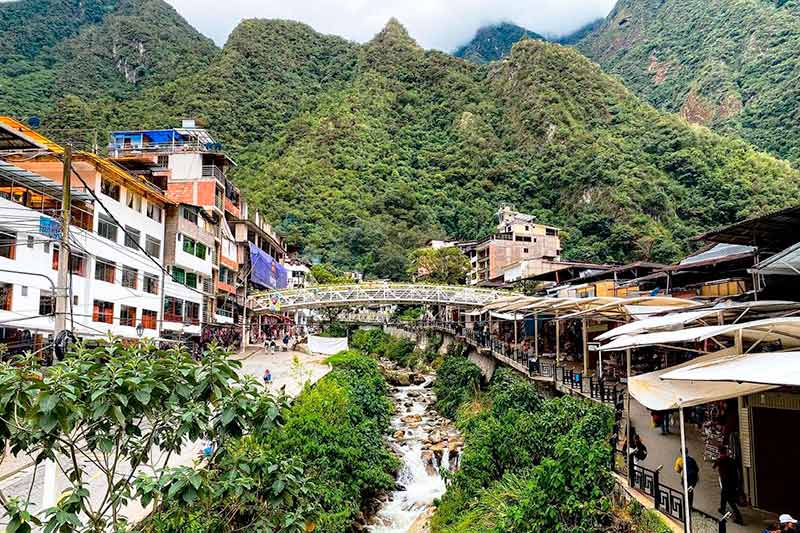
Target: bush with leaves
column 114, row 411
column 336, row 429
column 457, row 380
column 529, row 464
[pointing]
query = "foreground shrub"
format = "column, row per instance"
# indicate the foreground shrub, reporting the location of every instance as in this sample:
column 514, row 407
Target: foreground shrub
column 321, row 467
column 457, row 380
column 529, row 464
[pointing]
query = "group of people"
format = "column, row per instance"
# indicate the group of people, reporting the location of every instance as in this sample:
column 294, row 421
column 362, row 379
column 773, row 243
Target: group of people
column 785, row 524
column 728, row 473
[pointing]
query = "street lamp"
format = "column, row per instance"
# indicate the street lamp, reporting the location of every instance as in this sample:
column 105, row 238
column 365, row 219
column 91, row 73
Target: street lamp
column 140, row 330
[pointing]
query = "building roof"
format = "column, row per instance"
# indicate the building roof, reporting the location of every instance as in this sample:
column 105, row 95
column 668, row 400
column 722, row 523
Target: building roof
column 39, row 183
column 786, row 263
column 14, row 135
column 774, row 231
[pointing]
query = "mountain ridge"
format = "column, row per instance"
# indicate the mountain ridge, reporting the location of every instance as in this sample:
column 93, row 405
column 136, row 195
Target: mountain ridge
column 360, row 153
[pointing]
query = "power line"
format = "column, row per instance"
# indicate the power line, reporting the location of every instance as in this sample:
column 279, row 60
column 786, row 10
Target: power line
column 135, row 241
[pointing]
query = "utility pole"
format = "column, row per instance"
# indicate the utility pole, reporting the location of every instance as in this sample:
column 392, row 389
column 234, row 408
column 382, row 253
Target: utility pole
column 62, row 292
column 50, row 488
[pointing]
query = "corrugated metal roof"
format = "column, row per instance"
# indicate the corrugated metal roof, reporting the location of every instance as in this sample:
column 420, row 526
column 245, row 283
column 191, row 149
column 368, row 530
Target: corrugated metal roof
column 39, row 183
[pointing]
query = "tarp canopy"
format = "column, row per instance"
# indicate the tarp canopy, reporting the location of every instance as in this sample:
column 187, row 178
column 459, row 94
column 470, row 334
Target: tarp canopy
column 620, row 308
column 266, row 271
column 775, row 368
column 784, row 330
column 658, row 394
column 679, row 319
column 326, row 345
column 507, row 316
column 785, row 263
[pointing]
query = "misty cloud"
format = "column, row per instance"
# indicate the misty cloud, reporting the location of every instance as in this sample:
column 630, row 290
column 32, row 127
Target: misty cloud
column 440, row 24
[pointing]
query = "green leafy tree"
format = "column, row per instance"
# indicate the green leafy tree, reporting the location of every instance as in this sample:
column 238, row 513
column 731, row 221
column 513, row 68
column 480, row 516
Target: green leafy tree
column 447, row 265
column 116, row 410
column 329, row 275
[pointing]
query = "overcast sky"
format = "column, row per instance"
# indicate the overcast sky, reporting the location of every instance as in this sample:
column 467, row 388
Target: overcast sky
column 440, row 24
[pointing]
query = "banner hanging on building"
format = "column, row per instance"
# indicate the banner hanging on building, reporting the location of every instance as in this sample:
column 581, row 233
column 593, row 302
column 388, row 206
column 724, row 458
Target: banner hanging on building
column 266, row 271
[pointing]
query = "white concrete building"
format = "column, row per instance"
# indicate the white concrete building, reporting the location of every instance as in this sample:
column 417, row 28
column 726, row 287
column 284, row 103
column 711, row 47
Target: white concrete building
column 116, row 250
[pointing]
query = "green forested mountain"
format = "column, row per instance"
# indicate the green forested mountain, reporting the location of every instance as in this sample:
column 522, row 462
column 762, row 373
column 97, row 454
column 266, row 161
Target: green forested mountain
column 359, row 153
column 92, row 48
column 493, row 42
column 730, row 64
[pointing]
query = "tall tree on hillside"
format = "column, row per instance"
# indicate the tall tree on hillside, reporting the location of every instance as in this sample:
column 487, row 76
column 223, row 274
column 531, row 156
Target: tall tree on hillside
column 441, row 265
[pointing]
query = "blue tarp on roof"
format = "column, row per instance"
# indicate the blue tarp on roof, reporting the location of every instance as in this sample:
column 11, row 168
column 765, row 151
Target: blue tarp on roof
column 266, row 271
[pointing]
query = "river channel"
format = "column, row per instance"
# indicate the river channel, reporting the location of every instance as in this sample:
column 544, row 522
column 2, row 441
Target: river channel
column 426, row 443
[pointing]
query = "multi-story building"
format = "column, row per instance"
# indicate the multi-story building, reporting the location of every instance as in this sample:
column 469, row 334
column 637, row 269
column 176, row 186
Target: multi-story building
column 203, row 268
column 517, row 237
column 116, row 243
column 215, row 243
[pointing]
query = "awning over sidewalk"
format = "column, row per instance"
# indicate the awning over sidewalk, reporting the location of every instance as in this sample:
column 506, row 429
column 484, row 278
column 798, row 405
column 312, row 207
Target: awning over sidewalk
column 775, row 368
column 659, row 394
column 784, row 330
column 729, row 311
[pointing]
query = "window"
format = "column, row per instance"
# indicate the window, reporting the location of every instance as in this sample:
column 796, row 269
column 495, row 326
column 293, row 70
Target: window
column 8, row 248
column 109, row 188
column 163, row 161
column 77, row 262
column 6, row 292
column 130, row 277
column 179, row 275
column 524, row 250
column 190, row 214
column 103, row 312
column 107, row 228
column 193, row 313
column 74, row 299
column 150, row 283
column 134, row 201
column 47, row 303
column 149, row 319
column 152, row 246
column 188, row 245
column 173, row 309
column 191, row 280
column 154, row 211
column 30, row 241
column 200, row 250
column 551, row 231
column 24, row 290
column 132, row 237
column 104, row 270
column 127, row 316
column 47, row 247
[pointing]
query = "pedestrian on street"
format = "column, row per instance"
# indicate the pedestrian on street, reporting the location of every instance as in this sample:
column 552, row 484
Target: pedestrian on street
column 729, row 485
column 267, row 377
column 692, row 472
column 787, row 523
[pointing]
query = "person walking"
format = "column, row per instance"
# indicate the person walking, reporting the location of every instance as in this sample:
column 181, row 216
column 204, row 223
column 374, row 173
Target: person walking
column 729, row 485
column 787, row 523
column 692, row 473
column 267, row 377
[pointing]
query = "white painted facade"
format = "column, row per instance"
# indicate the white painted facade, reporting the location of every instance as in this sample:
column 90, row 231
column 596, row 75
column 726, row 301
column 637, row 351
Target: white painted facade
column 28, row 290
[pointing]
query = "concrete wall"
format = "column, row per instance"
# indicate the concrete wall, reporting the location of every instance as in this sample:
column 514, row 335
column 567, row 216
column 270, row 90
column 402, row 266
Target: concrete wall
column 487, row 364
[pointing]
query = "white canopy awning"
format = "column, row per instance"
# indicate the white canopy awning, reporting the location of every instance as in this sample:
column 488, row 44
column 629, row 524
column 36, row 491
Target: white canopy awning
column 786, row 330
column 678, row 319
column 507, row 316
column 656, row 323
column 656, row 393
column 786, row 263
column 775, row 368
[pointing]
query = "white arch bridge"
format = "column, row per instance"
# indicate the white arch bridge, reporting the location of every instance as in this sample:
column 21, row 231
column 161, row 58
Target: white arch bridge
column 372, row 294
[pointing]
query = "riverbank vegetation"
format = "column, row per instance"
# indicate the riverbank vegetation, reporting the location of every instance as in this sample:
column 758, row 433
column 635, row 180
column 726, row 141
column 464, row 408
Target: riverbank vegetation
column 403, row 352
column 529, row 463
column 325, row 464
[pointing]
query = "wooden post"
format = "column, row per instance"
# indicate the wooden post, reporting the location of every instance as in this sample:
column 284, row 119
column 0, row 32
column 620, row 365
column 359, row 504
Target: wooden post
column 585, row 335
column 536, row 335
column 558, row 341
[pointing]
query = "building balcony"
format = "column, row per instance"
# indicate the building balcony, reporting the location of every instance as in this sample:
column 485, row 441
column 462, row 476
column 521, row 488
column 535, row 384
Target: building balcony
column 213, row 171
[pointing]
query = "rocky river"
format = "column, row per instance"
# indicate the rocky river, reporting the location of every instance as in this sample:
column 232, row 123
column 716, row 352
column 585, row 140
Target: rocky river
column 426, row 443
